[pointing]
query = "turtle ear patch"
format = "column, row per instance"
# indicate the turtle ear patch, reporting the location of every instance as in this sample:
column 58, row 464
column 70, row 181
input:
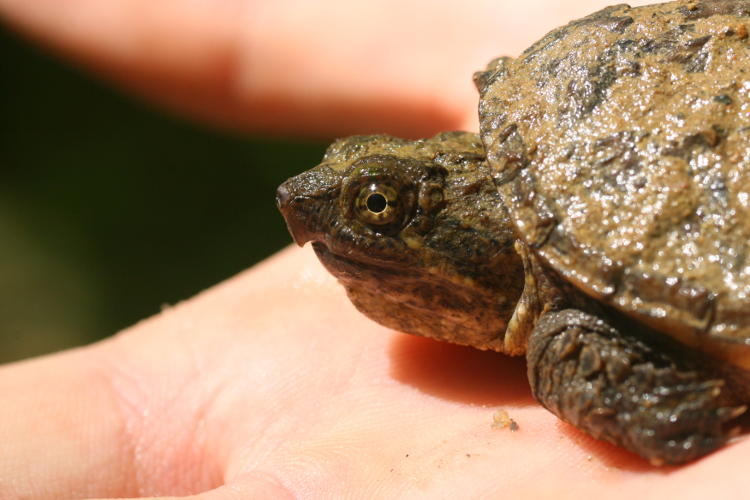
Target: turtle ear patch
column 431, row 196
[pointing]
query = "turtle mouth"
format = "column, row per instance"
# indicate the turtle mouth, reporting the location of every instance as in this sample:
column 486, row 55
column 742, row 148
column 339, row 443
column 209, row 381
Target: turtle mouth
column 350, row 269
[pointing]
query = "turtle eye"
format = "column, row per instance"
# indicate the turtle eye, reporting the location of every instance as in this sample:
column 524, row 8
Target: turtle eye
column 378, row 204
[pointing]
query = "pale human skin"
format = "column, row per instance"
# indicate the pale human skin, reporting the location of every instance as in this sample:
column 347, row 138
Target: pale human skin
column 271, row 385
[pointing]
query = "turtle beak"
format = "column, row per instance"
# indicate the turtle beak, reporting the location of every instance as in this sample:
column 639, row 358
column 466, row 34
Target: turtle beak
column 308, row 202
column 290, row 207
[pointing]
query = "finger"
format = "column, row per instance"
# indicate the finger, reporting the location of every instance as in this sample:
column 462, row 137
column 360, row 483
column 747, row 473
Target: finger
column 57, row 426
column 311, row 68
column 235, row 63
column 92, row 423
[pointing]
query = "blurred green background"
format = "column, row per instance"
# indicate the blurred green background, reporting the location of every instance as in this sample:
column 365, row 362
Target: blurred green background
column 110, row 209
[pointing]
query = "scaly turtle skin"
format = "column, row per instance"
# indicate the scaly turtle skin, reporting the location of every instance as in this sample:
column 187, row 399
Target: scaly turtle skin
column 600, row 226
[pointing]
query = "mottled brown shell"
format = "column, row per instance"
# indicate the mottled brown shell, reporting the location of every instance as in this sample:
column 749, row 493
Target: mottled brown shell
column 621, row 143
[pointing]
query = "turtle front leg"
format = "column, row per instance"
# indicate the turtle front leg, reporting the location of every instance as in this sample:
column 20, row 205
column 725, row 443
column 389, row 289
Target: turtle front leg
column 617, row 388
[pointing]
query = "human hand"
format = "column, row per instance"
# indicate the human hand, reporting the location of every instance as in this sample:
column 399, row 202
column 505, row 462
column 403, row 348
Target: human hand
column 271, row 384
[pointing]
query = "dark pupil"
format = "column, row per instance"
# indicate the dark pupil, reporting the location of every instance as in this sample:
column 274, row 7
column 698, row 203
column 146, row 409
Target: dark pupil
column 376, row 203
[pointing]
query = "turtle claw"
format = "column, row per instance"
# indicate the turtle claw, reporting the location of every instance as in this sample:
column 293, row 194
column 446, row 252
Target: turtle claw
column 618, row 388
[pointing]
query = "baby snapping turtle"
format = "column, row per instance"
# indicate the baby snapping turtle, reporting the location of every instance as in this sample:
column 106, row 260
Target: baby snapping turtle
column 601, row 225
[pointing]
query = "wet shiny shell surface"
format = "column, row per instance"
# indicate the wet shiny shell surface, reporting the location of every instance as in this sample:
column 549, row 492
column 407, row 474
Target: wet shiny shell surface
column 621, row 144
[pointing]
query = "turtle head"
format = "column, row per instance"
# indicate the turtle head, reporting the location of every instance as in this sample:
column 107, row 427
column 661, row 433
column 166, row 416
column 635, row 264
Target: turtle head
column 415, row 231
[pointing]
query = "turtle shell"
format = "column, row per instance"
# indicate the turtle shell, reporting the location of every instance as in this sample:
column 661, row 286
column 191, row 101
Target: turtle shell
column 621, row 144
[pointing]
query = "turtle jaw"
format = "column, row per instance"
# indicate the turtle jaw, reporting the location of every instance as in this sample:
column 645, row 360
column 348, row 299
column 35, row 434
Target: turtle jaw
column 411, row 299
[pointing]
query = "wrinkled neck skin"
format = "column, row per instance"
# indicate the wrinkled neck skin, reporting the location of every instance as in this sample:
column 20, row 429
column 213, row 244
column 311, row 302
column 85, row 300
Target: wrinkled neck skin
column 415, row 231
